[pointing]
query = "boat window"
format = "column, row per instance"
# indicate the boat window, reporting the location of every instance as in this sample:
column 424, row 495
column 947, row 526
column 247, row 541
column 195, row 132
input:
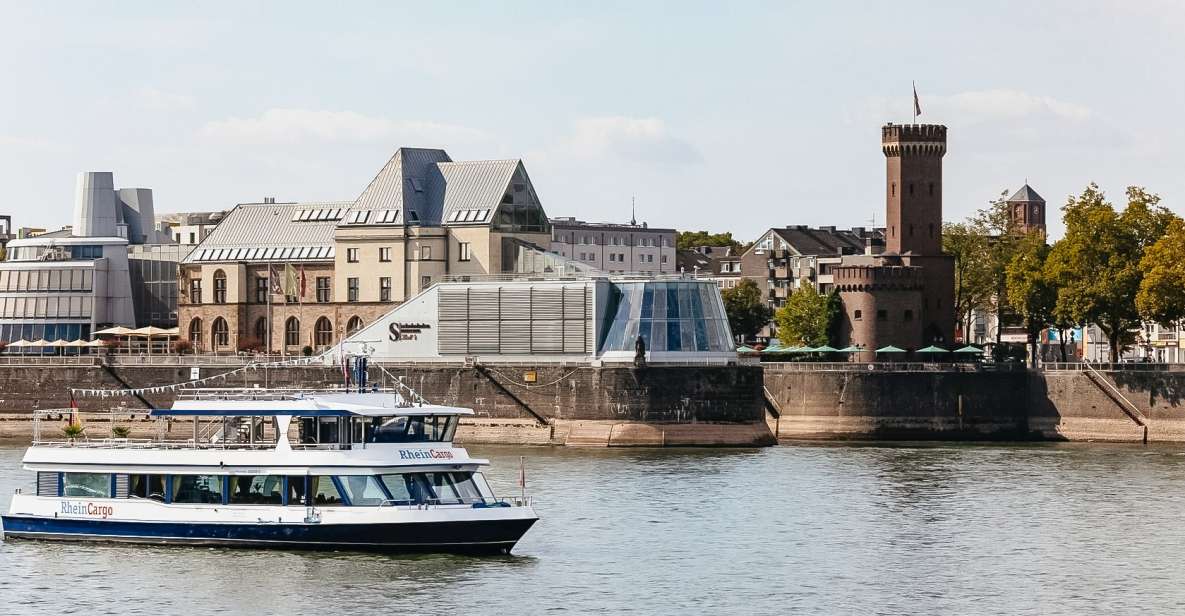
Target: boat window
column 256, row 490
column 197, row 489
column 147, row 486
column 296, row 490
column 466, row 489
column 93, row 485
column 444, row 488
column 407, row 488
column 409, row 429
column 324, row 491
column 362, row 490
column 483, row 486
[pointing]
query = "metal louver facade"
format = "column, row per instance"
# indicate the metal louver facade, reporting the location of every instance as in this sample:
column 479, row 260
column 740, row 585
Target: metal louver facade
column 517, row 319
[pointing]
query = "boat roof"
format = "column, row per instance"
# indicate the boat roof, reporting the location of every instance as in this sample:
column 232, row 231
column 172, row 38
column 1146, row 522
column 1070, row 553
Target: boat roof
column 365, row 404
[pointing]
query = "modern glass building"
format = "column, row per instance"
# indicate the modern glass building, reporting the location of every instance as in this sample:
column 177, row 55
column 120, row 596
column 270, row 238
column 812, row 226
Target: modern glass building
column 545, row 317
column 670, row 317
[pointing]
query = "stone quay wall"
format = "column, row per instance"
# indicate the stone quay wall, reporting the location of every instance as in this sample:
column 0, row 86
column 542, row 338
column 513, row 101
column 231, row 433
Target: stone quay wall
column 577, row 405
column 1016, row 405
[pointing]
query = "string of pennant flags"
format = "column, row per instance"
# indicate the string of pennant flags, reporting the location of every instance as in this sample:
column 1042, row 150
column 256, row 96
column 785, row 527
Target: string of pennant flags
column 117, row 393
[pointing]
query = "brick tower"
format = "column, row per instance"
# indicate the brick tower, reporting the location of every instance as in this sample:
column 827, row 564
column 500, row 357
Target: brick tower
column 1027, row 210
column 913, row 190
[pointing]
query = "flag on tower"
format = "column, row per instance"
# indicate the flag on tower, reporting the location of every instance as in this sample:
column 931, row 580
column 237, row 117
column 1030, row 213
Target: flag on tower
column 917, row 107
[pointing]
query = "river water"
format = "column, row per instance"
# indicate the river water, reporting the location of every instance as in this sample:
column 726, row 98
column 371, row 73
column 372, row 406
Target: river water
column 811, row 529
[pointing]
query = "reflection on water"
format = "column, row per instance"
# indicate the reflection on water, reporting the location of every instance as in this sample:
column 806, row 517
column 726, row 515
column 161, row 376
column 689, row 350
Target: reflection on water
column 828, row 529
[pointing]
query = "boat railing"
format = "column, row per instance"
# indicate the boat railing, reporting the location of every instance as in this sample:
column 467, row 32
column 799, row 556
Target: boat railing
column 123, row 428
column 487, row 501
column 275, row 393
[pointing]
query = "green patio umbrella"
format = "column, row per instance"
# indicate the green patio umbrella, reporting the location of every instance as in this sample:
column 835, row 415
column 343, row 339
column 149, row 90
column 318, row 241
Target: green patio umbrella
column 745, row 349
column 933, row 349
column 824, row 349
column 851, row 349
column 971, row 350
column 890, row 349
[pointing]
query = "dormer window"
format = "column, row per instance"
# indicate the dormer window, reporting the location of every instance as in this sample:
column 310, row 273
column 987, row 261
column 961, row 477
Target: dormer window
column 415, row 184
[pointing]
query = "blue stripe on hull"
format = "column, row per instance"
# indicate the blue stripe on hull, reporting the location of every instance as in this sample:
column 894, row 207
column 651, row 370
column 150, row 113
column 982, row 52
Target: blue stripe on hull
column 493, row 536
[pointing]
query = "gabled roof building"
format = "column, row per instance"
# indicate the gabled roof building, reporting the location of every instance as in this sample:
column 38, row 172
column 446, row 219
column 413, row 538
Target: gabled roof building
column 284, row 276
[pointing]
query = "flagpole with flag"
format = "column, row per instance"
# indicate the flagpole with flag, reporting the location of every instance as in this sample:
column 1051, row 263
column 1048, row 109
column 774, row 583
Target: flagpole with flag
column 917, row 106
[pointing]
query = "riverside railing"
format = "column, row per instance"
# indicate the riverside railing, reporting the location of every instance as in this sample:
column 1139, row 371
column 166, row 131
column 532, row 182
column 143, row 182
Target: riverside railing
column 844, row 366
column 1111, row 367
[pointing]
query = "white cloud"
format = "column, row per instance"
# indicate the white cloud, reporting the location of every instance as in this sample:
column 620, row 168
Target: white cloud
column 1009, row 104
column 32, row 144
column 288, row 126
column 155, row 99
column 643, row 139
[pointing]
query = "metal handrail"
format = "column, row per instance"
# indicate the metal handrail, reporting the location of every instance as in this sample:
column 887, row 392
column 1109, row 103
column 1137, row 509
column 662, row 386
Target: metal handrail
column 803, row 366
column 513, row 501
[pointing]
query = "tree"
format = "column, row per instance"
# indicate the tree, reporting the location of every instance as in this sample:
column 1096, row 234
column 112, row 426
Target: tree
column 686, row 240
column 807, row 318
column 747, row 312
column 1162, row 291
column 1029, row 290
column 1096, row 266
column 969, row 244
column 997, row 222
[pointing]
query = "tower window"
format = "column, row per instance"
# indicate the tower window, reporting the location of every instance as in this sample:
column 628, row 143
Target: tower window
column 893, row 231
column 882, row 315
column 911, row 190
column 931, row 230
column 892, row 190
column 910, row 230
column 857, row 315
column 931, row 189
column 908, row 315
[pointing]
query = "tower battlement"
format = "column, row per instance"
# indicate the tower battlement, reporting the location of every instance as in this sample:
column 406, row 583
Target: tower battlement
column 878, row 277
column 913, row 139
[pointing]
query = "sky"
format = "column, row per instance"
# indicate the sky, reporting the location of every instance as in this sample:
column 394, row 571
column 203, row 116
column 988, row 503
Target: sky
column 732, row 116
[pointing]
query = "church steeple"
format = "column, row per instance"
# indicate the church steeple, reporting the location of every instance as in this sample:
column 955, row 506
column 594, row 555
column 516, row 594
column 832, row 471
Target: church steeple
column 1027, row 210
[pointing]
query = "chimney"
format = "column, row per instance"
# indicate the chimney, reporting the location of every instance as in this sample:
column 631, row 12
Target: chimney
column 269, row 200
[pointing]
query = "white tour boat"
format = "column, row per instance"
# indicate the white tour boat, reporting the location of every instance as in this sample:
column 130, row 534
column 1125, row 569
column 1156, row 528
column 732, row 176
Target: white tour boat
column 260, row 468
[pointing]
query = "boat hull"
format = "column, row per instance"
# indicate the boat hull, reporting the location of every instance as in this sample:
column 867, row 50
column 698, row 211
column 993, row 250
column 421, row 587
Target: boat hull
column 461, row 537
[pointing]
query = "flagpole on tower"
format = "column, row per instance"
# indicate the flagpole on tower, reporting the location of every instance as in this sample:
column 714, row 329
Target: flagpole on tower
column 917, row 107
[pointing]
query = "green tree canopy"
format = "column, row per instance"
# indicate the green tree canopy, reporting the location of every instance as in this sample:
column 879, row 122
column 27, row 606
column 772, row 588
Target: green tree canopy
column 1096, row 266
column 747, row 311
column 808, row 317
column 1030, row 293
column 1162, row 291
column 686, row 240
column 969, row 243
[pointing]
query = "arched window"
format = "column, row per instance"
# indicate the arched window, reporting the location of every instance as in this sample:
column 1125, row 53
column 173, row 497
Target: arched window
column 292, row 332
column 195, row 333
column 353, row 325
column 261, row 332
column 220, row 333
column 219, row 287
column 322, row 332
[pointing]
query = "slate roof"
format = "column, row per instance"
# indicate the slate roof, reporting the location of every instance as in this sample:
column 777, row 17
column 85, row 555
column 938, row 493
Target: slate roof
column 826, row 240
column 470, row 185
column 262, row 232
column 415, row 186
column 1026, row 194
